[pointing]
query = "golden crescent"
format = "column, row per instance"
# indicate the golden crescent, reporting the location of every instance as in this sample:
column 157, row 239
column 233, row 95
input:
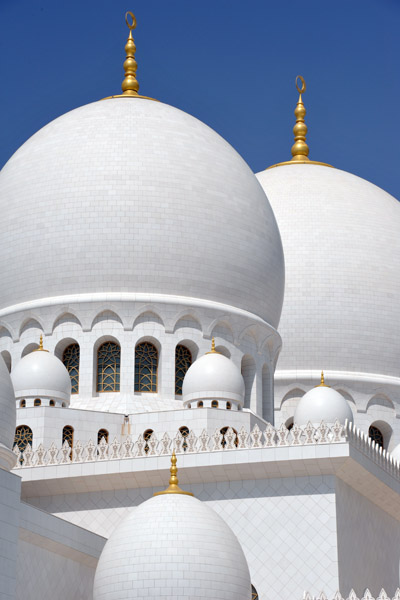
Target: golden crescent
column 303, row 88
column 132, row 16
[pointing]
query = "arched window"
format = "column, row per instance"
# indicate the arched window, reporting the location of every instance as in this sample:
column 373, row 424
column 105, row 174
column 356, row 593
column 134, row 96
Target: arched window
column 22, row 404
column 108, row 367
column 147, row 436
column 184, row 431
column 146, row 363
column 214, row 404
column 200, row 404
column 376, row 435
column 70, row 359
column 102, row 433
column 52, row 403
column 228, row 406
column 289, row 423
column 68, row 435
column 183, row 360
column 23, row 437
column 37, row 402
column 223, row 441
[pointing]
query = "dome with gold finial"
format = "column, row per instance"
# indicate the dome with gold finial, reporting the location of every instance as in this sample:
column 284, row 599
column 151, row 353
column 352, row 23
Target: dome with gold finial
column 322, row 403
column 340, row 235
column 192, row 553
column 137, row 197
column 41, row 379
column 213, row 380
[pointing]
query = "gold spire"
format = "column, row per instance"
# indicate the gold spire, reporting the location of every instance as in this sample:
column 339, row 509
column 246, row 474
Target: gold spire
column 130, row 85
column 322, row 384
column 41, row 349
column 213, row 350
column 300, row 149
column 173, row 487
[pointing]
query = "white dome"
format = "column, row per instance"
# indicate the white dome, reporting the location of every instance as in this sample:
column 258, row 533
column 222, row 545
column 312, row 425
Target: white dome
column 213, row 377
column 40, row 374
column 341, row 241
column 172, row 546
column 132, row 195
column 8, row 418
column 322, row 403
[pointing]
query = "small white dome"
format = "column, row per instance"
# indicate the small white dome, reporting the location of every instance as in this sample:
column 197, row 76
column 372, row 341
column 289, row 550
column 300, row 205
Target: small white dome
column 213, row 377
column 8, row 418
column 396, row 453
column 322, row 403
column 40, row 374
column 172, row 546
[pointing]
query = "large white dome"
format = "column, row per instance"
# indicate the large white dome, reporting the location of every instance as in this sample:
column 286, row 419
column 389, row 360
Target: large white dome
column 132, row 195
column 341, row 242
column 172, row 546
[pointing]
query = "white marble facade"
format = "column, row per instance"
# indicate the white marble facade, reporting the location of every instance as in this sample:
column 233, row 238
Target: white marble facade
column 149, row 227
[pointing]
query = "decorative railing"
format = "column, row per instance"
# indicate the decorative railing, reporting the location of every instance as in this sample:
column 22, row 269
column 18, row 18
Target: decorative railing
column 221, row 441
column 353, row 596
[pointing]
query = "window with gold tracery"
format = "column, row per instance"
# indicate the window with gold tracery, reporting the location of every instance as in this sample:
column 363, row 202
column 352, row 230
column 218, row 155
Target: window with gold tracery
column 254, row 593
column 108, row 367
column 376, row 435
column 68, row 435
column 147, row 437
column 146, row 364
column 102, row 433
column 23, row 437
column 70, row 359
column 224, row 431
column 183, row 360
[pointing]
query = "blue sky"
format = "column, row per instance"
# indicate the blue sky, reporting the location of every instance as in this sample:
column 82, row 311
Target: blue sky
column 230, row 63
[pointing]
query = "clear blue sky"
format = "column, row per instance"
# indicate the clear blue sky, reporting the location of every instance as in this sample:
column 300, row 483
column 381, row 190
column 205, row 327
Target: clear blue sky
column 230, row 63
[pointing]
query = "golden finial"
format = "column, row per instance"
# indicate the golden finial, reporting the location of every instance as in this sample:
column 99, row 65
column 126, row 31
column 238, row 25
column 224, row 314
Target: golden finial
column 130, row 85
column 300, row 149
column 322, row 384
column 213, row 350
column 41, row 349
column 173, row 487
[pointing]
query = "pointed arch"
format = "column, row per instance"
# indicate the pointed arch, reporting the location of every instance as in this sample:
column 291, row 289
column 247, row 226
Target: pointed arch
column 108, row 357
column 31, row 322
column 65, row 317
column 183, row 360
column 146, row 367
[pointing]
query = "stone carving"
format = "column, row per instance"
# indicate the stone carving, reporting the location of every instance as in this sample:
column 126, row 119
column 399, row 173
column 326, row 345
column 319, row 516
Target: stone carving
column 218, row 442
column 353, row 596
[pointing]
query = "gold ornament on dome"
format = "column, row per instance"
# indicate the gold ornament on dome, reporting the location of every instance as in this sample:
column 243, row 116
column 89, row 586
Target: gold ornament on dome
column 40, row 349
column 300, row 149
column 322, row 384
column 213, row 350
column 130, row 85
column 173, row 487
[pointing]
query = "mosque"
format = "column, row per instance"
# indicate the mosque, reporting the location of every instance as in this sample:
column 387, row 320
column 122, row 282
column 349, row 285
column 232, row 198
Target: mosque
column 185, row 329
